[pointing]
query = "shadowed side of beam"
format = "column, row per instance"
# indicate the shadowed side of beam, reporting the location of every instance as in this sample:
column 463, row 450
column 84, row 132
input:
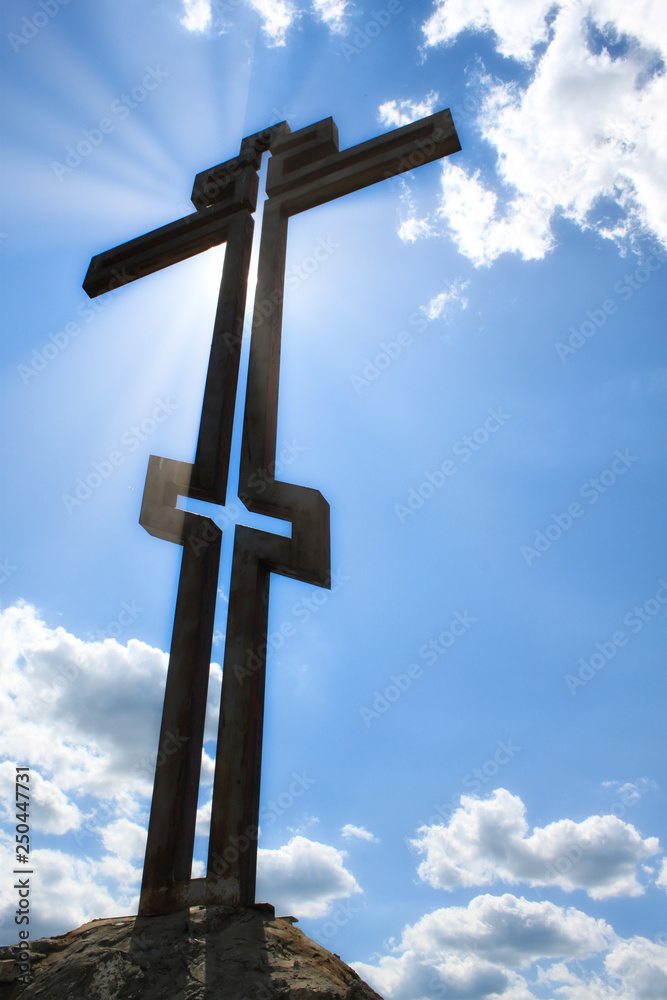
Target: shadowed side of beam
column 169, row 244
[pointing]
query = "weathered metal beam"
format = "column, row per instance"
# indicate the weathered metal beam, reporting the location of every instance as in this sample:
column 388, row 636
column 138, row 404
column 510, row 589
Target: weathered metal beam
column 214, row 441
column 304, row 185
column 305, row 556
column 172, row 243
column 171, row 829
column 306, row 170
column 214, row 185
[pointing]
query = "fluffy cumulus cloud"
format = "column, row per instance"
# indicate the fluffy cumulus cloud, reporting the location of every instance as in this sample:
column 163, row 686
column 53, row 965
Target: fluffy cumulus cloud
column 304, row 877
column 84, row 716
column 509, row 931
column 52, row 810
column 487, row 841
column 125, row 839
column 71, row 890
column 468, row 953
column 585, row 138
column 642, row 965
column 517, row 27
column 196, row 15
column 502, row 946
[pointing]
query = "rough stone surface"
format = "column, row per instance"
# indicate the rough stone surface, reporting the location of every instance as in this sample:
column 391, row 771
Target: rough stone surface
column 214, row 953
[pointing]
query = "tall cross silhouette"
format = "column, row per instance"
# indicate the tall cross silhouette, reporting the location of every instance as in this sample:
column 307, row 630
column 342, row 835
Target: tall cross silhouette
column 306, row 169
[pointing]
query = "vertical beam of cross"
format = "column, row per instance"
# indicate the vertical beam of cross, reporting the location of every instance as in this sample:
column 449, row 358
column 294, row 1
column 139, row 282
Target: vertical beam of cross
column 306, row 169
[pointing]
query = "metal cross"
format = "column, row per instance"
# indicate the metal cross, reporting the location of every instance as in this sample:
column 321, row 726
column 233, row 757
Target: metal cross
column 306, row 169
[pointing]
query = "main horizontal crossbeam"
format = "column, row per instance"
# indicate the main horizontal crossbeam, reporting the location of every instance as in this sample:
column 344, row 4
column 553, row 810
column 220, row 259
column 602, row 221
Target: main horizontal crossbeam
column 206, row 228
column 302, row 182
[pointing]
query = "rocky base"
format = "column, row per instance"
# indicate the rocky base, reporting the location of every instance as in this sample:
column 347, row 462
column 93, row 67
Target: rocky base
column 206, row 953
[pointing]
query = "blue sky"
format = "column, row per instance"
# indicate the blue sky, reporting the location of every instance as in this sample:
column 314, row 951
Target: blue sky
column 463, row 784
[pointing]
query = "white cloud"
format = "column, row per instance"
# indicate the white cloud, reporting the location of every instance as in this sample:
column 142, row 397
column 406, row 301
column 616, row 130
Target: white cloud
column 473, row 951
column 662, row 877
column 483, row 226
column 568, row 985
column 350, row 830
column 69, row 892
column 50, row 809
column 442, row 304
column 197, row 16
column 509, row 931
column 125, row 839
column 490, row 948
column 304, row 877
column 487, row 841
column 585, row 138
column 277, row 15
column 642, row 965
column 397, row 113
column 631, row 791
column 412, row 229
column 84, row 715
column 413, row 976
column 518, row 27
column 333, row 13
